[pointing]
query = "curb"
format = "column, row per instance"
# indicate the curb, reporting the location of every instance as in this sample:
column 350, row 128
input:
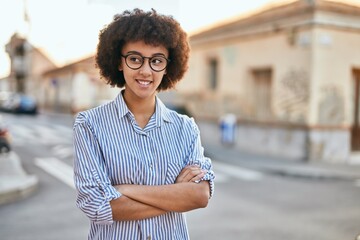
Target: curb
column 15, row 183
column 310, row 173
column 286, row 168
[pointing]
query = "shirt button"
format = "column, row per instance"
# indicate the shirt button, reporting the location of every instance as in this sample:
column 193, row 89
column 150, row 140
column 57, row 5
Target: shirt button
column 148, row 238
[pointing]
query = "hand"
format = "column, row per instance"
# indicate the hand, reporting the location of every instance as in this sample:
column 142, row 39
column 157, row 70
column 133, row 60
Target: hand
column 190, row 173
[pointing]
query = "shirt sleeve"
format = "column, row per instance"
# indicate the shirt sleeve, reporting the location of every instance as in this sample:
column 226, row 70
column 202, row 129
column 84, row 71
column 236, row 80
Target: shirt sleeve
column 94, row 189
column 196, row 157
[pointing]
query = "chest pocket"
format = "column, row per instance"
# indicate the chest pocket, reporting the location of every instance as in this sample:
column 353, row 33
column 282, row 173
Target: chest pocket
column 173, row 170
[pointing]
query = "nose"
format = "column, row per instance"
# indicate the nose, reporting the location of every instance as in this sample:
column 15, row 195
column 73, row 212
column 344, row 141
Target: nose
column 145, row 68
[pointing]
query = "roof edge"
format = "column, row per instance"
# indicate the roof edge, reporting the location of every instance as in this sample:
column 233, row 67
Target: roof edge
column 267, row 7
column 276, row 7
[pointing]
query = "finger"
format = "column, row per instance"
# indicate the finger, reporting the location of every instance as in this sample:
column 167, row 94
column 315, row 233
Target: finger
column 183, row 173
column 188, row 173
column 199, row 176
column 185, row 176
column 191, row 174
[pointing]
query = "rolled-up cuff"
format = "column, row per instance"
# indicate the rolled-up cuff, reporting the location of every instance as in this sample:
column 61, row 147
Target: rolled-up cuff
column 104, row 213
column 212, row 188
column 210, row 176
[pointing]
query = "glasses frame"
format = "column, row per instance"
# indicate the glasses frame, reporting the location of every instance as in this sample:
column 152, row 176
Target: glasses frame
column 143, row 61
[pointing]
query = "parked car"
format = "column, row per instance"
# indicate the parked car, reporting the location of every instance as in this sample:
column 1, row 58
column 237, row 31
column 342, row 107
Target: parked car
column 4, row 137
column 18, row 103
column 181, row 109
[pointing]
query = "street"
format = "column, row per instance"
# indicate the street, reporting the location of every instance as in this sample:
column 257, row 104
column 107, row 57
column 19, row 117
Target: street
column 247, row 204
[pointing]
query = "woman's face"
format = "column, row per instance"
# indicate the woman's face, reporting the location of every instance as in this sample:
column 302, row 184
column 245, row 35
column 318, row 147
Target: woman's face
column 142, row 83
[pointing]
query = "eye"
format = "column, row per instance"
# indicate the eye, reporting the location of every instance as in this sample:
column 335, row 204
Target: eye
column 135, row 59
column 158, row 60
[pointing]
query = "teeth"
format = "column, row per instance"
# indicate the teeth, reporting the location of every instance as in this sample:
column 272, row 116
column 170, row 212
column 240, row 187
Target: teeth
column 144, row 82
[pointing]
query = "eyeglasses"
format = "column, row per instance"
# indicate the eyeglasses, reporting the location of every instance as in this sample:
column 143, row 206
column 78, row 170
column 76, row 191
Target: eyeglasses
column 136, row 61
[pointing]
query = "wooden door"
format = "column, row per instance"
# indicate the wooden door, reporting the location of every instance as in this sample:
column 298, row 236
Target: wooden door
column 355, row 132
column 262, row 94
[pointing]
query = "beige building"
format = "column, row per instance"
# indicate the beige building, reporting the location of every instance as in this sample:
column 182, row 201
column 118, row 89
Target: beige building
column 75, row 87
column 27, row 65
column 289, row 71
column 70, row 88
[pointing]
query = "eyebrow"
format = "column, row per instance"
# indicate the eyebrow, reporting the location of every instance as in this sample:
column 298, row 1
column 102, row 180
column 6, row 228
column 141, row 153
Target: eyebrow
column 155, row 54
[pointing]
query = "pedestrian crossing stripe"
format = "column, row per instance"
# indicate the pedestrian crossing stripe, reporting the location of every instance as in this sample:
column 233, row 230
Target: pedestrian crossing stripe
column 57, row 168
column 357, row 183
column 63, row 151
column 44, row 134
column 236, row 172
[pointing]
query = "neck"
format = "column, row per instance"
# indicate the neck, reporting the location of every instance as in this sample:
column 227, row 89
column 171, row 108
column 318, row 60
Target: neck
column 140, row 106
column 142, row 109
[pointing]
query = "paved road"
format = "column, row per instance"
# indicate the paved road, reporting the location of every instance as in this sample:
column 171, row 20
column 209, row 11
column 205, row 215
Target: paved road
column 247, row 204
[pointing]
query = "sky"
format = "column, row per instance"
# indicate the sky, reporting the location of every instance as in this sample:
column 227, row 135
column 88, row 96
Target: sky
column 67, row 30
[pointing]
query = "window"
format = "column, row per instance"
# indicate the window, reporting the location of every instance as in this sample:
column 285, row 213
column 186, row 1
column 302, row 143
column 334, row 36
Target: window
column 213, row 74
column 262, row 93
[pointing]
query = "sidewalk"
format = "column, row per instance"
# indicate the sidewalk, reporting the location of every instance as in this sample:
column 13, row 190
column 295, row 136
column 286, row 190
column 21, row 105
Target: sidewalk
column 15, row 183
column 273, row 165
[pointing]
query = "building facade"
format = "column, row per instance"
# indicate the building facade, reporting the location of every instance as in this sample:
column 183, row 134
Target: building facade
column 69, row 89
column 289, row 71
column 27, row 65
column 75, row 87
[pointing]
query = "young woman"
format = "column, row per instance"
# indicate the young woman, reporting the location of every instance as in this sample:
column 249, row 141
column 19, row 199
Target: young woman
column 138, row 165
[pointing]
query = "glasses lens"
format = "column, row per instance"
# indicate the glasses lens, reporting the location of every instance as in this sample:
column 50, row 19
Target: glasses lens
column 134, row 61
column 158, row 63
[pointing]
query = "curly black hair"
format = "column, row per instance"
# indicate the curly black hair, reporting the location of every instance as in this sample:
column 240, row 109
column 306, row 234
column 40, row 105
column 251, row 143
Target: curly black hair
column 152, row 28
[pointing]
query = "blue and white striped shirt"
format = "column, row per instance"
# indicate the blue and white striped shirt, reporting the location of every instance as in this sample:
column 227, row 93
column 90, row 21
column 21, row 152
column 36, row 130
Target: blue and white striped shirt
column 111, row 149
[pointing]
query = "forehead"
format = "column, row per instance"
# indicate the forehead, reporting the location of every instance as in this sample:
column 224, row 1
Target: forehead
column 144, row 49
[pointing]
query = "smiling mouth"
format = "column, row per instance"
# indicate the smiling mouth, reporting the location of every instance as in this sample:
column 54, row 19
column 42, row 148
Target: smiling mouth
column 144, row 83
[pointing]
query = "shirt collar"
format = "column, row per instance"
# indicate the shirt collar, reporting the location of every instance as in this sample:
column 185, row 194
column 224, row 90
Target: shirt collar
column 121, row 105
column 162, row 113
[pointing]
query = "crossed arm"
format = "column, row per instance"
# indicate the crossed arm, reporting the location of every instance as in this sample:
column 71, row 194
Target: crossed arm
column 143, row 201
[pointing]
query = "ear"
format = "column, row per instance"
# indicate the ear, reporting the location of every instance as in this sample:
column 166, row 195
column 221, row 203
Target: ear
column 120, row 68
